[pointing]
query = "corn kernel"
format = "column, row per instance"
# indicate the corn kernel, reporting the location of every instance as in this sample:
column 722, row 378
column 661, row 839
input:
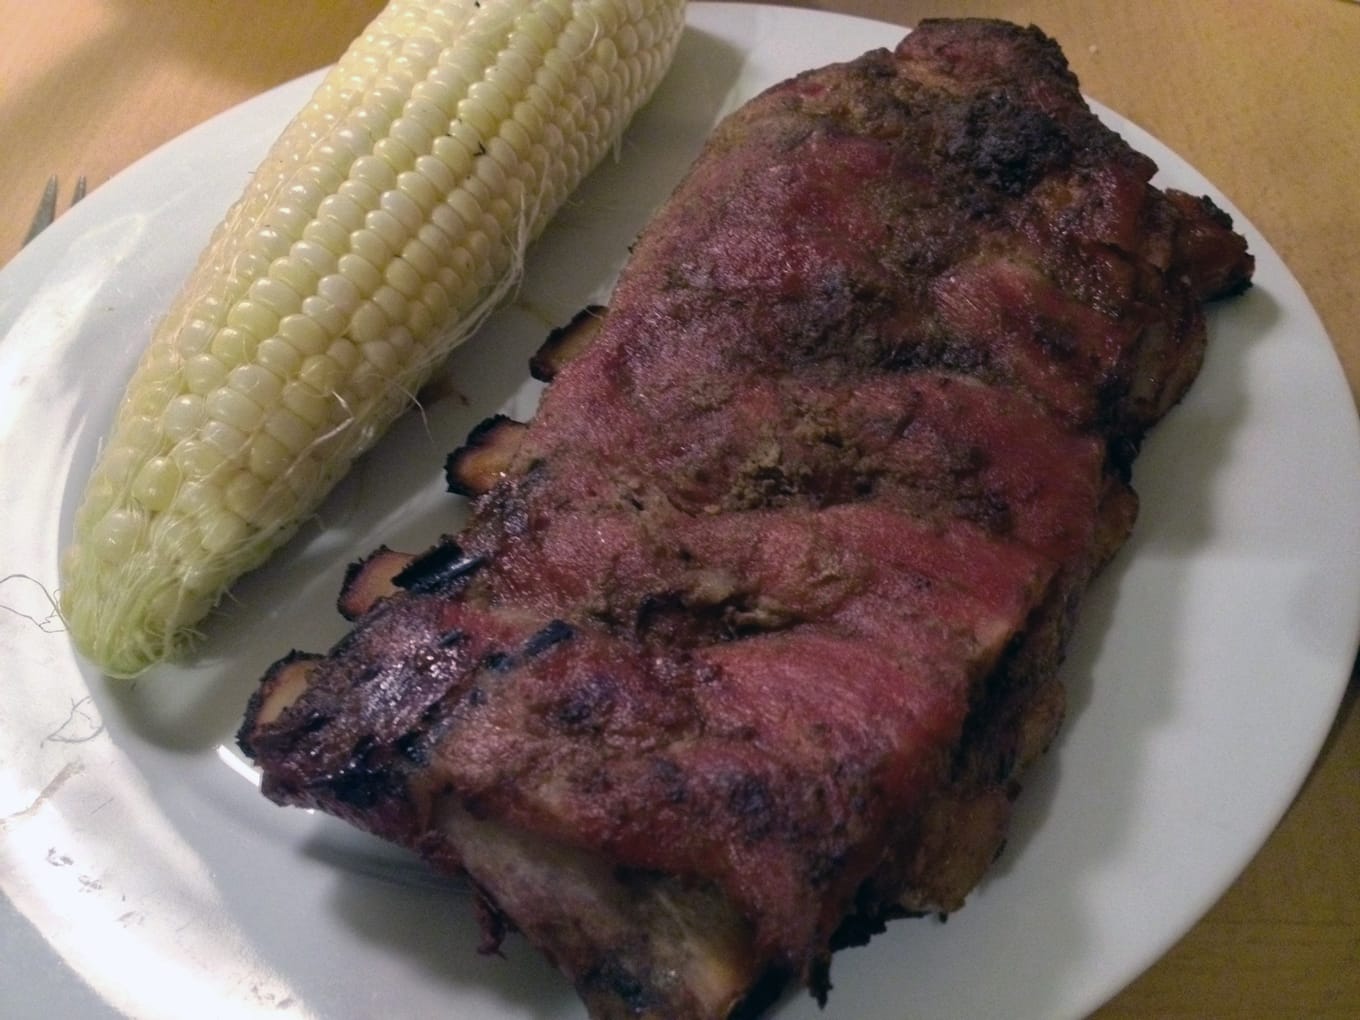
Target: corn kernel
column 288, row 430
column 294, row 274
column 244, row 494
column 275, row 297
column 381, row 356
column 420, row 320
column 436, row 299
column 368, row 324
column 361, row 273
column 140, row 432
column 368, row 244
column 197, row 459
column 466, row 206
column 340, row 209
column 278, row 356
column 156, row 483
column 404, row 210
column 321, row 373
column 272, row 243
column 256, row 382
column 323, row 312
column 437, row 175
column 442, row 89
column 115, row 535
column 419, row 190
column 396, row 154
column 234, row 345
column 195, row 336
column 121, row 463
column 269, row 458
column 228, row 405
column 390, row 302
column 411, row 133
column 318, row 258
column 425, row 253
column 401, row 276
column 223, row 436
column 182, row 417
column 304, row 332
column 306, row 403
column 345, row 353
column 455, row 155
column 288, row 221
column 387, row 227
column 223, row 531
column 152, row 396
column 341, row 292
column 424, row 112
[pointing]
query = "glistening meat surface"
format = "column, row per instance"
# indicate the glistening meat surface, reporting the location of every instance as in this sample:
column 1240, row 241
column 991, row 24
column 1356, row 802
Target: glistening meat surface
column 753, row 627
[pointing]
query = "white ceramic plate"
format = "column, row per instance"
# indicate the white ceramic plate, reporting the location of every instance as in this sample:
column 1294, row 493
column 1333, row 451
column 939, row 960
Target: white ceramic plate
column 147, row 876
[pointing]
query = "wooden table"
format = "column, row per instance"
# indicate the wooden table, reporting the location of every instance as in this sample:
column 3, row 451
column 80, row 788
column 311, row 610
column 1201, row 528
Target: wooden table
column 1262, row 96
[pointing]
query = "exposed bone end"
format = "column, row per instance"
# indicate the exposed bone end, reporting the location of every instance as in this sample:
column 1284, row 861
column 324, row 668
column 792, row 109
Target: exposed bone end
column 475, row 467
column 960, row 838
column 1118, row 512
column 280, row 689
column 566, row 343
column 370, row 579
column 1038, row 723
column 637, row 946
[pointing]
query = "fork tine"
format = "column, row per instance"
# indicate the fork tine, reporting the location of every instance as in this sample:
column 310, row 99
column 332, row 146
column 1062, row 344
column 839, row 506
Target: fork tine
column 79, row 193
column 46, row 212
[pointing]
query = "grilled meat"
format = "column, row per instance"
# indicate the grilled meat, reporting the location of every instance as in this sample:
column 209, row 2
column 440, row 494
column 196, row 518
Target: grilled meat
column 753, row 627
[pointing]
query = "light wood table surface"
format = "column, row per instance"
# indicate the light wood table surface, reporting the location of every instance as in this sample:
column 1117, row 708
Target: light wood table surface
column 1262, row 96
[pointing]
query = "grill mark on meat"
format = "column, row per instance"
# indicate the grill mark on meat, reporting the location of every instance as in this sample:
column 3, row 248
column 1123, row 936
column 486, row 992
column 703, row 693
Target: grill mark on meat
column 554, row 633
column 439, row 568
column 497, row 662
column 753, row 627
column 452, row 637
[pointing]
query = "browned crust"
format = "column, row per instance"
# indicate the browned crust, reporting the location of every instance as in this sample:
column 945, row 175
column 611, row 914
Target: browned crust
column 567, row 343
column 475, row 467
column 369, row 579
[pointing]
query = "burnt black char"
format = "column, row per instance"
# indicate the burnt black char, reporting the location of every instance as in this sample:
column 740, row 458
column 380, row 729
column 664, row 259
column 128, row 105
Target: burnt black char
column 754, row 626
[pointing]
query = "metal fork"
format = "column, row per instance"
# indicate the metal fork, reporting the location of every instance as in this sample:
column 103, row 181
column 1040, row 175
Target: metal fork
column 47, row 206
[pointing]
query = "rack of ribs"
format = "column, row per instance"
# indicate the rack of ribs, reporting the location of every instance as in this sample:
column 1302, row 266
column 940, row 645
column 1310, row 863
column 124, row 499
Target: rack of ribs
column 753, row 628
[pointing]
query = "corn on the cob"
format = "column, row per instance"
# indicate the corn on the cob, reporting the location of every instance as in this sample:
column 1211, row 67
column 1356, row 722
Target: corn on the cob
column 382, row 227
